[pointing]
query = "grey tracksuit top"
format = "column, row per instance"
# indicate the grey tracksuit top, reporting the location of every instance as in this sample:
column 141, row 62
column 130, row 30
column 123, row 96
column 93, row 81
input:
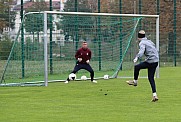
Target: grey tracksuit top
column 147, row 48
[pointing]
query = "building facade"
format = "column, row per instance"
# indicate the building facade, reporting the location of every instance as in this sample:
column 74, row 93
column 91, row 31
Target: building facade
column 58, row 35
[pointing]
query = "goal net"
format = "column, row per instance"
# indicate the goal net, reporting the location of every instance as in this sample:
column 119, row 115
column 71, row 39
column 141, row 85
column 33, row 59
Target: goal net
column 46, row 53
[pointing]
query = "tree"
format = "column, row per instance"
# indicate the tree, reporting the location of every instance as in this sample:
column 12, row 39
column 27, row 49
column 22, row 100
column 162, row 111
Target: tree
column 7, row 17
column 70, row 24
column 109, row 25
column 107, row 6
column 33, row 23
column 5, row 47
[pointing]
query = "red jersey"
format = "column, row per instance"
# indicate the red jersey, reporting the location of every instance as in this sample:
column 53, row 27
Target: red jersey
column 85, row 54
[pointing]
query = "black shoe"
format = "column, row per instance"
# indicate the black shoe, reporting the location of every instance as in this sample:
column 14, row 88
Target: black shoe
column 155, row 98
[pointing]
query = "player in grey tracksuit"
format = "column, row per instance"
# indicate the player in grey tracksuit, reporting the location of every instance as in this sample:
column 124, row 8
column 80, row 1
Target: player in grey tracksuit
column 147, row 48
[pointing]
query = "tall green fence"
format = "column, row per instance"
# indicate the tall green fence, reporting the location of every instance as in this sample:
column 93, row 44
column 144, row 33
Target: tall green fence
column 169, row 11
column 170, row 25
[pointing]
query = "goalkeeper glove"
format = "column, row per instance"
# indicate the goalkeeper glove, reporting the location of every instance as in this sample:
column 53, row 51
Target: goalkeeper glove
column 79, row 59
column 87, row 61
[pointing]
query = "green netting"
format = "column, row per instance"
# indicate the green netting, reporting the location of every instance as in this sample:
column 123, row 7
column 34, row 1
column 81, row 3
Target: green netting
column 25, row 63
column 112, row 40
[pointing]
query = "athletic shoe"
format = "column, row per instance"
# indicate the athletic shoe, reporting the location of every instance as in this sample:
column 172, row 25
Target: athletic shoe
column 131, row 82
column 155, row 98
column 66, row 81
column 94, row 81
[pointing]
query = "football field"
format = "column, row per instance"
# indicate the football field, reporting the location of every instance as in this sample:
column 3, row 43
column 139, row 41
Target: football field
column 107, row 101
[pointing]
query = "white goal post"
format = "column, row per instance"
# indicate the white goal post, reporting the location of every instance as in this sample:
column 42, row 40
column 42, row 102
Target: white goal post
column 93, row 14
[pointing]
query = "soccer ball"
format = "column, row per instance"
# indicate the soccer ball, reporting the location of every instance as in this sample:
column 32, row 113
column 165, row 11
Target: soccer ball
column 83, row 77
column 72, row 76
column 106, row 77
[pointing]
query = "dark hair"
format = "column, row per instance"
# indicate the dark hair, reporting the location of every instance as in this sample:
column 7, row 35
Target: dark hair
column 140, row 35
column 84, row 42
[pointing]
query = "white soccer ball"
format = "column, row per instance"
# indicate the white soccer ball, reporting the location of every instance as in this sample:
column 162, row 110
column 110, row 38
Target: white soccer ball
column 83, row 77
column 106, row 77
column 72, row 76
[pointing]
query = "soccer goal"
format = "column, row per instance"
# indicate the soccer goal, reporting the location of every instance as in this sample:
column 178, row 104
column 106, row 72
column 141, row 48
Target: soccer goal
column 51, row 39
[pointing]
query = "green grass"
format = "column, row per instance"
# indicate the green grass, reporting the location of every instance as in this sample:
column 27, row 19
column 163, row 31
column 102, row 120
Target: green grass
column 82, row 101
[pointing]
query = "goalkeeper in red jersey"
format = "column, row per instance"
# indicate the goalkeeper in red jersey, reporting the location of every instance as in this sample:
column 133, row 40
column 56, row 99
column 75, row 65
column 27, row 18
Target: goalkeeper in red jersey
column 83, row 56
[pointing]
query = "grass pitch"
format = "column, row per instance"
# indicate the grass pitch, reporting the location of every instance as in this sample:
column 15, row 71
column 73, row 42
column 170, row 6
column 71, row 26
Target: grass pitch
column 107, row 101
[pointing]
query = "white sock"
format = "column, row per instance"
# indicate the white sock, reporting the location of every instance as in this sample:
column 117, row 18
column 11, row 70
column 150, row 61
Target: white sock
column 154, row 94
column 135, row 81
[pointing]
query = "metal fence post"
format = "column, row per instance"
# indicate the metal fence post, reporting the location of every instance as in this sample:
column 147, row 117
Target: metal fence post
column 175, row 32
column 22, row 41
column 51, row 52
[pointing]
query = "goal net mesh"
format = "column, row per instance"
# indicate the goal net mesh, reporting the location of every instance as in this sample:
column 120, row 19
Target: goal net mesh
column 112, row 40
